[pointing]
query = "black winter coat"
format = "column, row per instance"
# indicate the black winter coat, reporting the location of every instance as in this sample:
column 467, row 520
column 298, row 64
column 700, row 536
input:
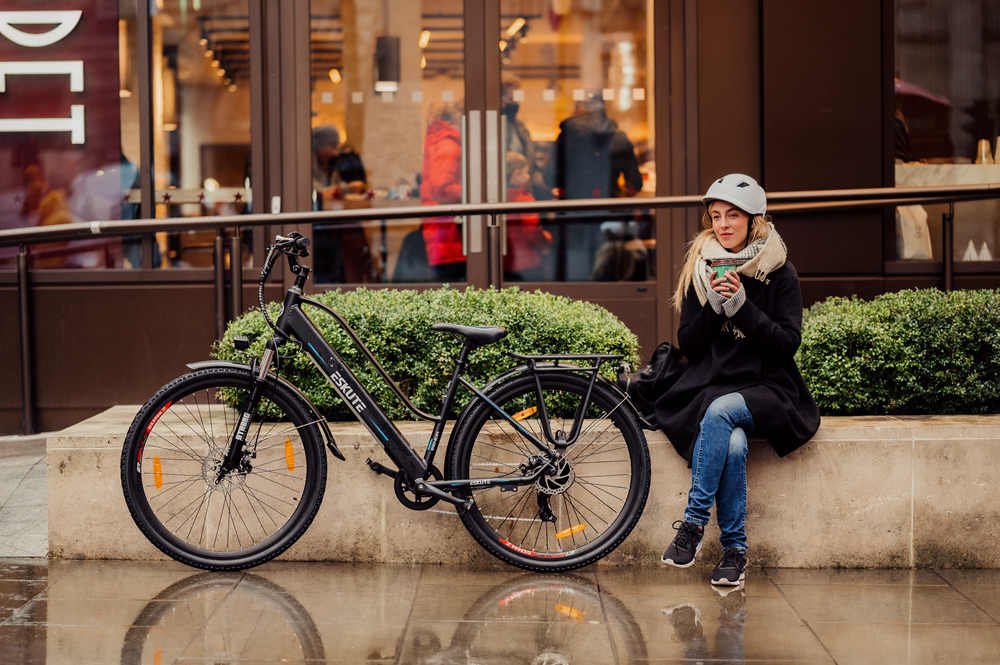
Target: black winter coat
column 753, row 354
column 589, row 155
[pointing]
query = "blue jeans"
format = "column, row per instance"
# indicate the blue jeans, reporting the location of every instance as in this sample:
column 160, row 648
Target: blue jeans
column 719, row 469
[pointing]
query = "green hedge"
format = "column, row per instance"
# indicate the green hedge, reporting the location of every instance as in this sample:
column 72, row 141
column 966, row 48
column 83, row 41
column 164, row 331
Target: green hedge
column 911, row 352
column 395, row 325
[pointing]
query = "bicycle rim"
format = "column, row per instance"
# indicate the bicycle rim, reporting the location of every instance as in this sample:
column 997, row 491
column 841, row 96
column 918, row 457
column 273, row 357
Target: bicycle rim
column 580, row 511
column 171, row 462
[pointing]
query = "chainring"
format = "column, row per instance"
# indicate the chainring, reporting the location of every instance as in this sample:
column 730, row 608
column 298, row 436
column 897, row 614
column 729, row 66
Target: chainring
column 412, row 498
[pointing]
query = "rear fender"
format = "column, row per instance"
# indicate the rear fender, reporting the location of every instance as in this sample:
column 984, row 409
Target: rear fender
column 313, row 412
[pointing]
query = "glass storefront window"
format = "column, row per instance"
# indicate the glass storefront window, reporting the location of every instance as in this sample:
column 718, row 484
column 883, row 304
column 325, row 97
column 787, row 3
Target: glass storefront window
column 201, row 122
column 68, row 118
column 387, row 130
column 947, row 121
column 577, row 123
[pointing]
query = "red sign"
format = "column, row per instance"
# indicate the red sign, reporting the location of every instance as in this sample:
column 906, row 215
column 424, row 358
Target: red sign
column 59, row 106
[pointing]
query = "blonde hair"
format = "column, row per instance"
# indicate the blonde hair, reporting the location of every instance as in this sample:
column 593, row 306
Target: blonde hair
column 759, row 228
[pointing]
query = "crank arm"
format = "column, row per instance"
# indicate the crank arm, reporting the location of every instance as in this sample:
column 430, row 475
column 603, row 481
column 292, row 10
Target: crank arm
column 426, row 488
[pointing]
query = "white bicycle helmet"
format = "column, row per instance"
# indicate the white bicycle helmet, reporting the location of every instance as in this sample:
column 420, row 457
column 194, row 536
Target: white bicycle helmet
column 740, row 190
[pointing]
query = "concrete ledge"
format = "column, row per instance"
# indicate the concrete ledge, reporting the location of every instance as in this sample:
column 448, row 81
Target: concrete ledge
column 865, row 492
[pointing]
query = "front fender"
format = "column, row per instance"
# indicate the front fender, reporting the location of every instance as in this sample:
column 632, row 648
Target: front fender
column 313, row 412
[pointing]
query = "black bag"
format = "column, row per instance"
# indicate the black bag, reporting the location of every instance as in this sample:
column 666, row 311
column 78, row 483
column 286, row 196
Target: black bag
column 665, row 366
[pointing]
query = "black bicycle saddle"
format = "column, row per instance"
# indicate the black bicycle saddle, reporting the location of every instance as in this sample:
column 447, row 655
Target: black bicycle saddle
column 477, row 336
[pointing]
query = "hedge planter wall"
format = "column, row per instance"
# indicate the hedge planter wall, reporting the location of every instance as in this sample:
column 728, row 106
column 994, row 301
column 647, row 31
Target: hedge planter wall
column 911, row 352
column 395, row 325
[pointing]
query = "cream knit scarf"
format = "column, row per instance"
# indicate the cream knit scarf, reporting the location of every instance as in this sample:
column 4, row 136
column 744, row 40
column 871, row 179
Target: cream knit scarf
column 759, row 259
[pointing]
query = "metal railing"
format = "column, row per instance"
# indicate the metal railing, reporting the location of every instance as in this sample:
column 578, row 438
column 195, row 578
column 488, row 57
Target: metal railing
column 778, row 202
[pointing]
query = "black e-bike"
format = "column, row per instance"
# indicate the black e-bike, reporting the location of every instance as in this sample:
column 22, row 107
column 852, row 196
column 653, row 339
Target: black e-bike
column 224, row 467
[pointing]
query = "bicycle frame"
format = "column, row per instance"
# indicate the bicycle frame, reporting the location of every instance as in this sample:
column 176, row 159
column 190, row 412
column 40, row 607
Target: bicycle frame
column 295, row 324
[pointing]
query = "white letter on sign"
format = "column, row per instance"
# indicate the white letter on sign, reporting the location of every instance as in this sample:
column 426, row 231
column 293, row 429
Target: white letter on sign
column 66, row 21
column 73, row 124
column 72, row 67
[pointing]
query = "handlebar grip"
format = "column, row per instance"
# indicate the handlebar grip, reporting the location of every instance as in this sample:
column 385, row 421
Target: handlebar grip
column 301, row 242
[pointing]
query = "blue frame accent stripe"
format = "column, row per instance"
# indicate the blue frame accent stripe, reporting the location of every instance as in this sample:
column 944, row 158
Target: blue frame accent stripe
column 315, row 352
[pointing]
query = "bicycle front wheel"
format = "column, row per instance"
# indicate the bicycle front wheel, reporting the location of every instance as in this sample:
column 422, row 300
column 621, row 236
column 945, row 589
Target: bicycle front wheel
column 584, row 505
column 170, row 470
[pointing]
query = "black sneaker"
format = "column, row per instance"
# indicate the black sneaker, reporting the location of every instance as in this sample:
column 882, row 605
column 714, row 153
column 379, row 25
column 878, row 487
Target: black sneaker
column 686, row 545
column 731, row 571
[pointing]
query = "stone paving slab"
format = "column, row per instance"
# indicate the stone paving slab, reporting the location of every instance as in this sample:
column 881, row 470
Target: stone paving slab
column 24, row 518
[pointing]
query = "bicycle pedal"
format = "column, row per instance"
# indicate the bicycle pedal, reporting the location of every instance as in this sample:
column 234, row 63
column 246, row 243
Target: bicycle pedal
column 380, row 468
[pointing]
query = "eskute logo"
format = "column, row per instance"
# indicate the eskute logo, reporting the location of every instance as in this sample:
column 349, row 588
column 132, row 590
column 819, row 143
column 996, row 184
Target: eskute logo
column 352, row 397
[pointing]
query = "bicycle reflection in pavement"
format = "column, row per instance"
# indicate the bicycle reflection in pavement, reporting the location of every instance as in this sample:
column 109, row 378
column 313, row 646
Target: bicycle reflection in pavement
column 530, row 618
column 686, row 621
column 536, row 620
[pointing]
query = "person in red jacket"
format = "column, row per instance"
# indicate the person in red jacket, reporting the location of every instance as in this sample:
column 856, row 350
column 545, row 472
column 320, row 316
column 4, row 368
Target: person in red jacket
column 527, row 242
column 441, row 183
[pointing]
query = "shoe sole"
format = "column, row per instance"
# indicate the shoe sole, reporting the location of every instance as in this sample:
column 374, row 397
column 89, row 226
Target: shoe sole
column 671, row 562
column 726, row 582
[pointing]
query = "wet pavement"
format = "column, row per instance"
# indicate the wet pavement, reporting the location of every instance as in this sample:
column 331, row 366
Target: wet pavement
column 157, row 613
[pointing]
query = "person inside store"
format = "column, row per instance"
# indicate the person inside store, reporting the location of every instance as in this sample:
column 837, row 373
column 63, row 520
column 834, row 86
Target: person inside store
column 740, row 325
column 591, row 158
column 325, row 148
column 340, row 181
column 518, row 140
column 441, row 183
column 527, row 242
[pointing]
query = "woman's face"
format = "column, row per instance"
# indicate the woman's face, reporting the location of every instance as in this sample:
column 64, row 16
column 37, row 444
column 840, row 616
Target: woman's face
column 730, row 225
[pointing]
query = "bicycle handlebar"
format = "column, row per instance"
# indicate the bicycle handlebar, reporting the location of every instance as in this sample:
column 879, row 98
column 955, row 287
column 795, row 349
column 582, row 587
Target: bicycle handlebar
column 293, row 245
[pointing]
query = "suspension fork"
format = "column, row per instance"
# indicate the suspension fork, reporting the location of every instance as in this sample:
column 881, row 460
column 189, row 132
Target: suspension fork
column 234, row 453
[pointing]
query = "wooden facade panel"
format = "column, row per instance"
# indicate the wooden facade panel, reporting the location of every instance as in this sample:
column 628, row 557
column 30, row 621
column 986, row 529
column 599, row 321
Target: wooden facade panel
column 839, row 243
column 10, row 360
column 815, row 289
column 10, row 351
column 729, row 138
column 96, row 346
column 822, row 94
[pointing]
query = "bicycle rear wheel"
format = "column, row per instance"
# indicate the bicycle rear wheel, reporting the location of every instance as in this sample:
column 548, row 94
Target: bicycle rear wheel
column 577, row 512
column 174, row 449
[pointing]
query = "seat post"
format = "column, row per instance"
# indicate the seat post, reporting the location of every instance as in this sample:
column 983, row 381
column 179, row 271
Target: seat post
column 460, row 366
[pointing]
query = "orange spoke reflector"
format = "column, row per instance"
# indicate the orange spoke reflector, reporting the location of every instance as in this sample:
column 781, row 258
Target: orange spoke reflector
column 158, row 473
column 521, row 415
column 571, row 531
column 571, row 612
column 158, row 657
column 289, row 455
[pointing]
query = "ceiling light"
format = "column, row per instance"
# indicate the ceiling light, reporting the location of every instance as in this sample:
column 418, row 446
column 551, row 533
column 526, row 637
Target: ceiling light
column 215, row 63
column 335, row 76
column 423, row 62
column 232, row 87
column 425, row 38
column 516, row 26
column 208, row 53
column 203, row 41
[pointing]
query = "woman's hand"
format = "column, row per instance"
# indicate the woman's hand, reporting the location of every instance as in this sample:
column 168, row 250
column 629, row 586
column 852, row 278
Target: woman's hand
column 727, row 285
